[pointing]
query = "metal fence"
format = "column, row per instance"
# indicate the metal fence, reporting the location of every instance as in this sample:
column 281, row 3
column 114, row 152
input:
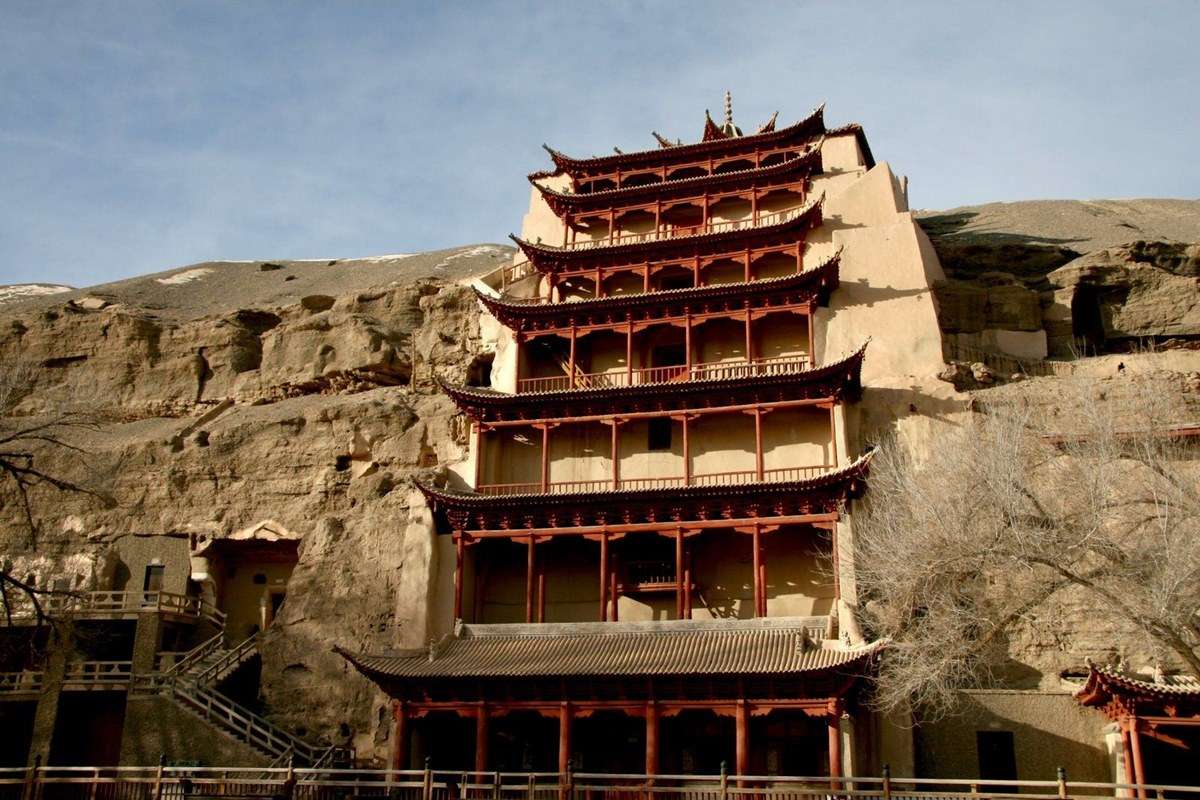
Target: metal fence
column 215, row 783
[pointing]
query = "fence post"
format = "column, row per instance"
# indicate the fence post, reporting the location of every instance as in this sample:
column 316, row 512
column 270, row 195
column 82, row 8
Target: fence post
column 158, row 776
column 496, row 785
column 887, row 782
column 570, row 778
column 427, row 781
column 724, row 780
column 529, row 788
column 1062, row 783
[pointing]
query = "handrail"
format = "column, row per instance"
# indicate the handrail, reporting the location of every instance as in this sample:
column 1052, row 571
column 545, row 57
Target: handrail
column 21, row 682
column 639, row 376
column 120, row 602
column 231, row 658
column 732, row 478
column 98, row 673
column 196, row 654
column 243, row 723
column 762, row 220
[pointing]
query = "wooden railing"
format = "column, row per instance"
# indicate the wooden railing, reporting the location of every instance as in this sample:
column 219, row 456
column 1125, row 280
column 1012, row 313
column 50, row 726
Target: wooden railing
column 97, row 674
column 28, row 682
column 99, row 604
column 675, row 232
column 180, row 783
column 734, row 478
column 709, row 371
column 228, row 662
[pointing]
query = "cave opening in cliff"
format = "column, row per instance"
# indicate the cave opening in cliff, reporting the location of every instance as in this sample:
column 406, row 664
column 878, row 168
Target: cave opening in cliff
column 1087, row 321
column 249, row 581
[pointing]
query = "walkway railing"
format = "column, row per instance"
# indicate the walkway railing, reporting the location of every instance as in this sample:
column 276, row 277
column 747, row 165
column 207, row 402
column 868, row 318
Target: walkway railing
column 109, row 604
column 763, row 220
column 710, row 371
column 20, row 683
column 182, row 783
column 734, row 478
column 97, row 674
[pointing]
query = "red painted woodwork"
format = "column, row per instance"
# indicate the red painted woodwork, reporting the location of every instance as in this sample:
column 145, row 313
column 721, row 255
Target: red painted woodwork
column 400, row 736
column 742, row 732
column 835, row 748
column 564, row 737
column 481, row 738
column 651, row 738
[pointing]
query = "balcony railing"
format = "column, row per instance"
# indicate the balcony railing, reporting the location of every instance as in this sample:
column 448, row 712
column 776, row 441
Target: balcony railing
column 711, row 371
column 97, row 674
column 115, row 604
column 28, row 682
column 678, row 231
column 735, row 478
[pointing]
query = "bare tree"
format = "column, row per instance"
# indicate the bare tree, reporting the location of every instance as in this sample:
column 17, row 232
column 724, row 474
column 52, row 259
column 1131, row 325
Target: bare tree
column 958, row 547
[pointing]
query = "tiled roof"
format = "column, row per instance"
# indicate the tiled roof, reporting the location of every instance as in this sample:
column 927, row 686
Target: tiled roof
column 765, row 646
column 826, row 271
column 805, row 217
column 808, row 159
column 1170, row 685
column 814, row 123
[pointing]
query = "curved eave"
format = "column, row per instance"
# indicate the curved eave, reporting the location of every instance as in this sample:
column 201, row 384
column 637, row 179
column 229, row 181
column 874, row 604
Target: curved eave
column 561, row 202
column 813, row 124
column 843, row 381
column 1103, row 685
column 823, row 276
column 849, row 480
column 540, row 254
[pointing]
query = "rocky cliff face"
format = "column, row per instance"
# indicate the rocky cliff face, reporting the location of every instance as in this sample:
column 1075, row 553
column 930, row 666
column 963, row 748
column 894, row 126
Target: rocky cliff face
column 214, row 404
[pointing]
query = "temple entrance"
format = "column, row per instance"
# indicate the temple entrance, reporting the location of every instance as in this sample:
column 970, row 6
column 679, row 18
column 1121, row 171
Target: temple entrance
column 1172, row 764
column 89, row 729
column 1087, row 321
column 523, row 741
column 16, row 720
column 789, row 742
column 695, row 742
column 248, row 578
column 445, row 738
column 609, row 741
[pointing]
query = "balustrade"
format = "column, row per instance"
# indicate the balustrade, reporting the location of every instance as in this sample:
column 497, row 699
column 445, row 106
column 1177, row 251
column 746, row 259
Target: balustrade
column 733, row 478
column 68, row 603
column 675, row 232
column 711, row 371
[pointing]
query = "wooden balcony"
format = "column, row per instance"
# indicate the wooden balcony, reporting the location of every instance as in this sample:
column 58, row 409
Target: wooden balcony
column 712, row 371
column 97, row 675
column 681, row 231
column 114, row 605
column 735, row 478
column 20, row 685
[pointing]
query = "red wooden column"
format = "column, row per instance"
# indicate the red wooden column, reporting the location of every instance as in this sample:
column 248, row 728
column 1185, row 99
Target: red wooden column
column 530, row 568
column 478, row 430
column 520, row 341
column 812, row 341
column 799, row 256
column 687, row 453
column 759, row 590
column 481, row 738
column 746, row 265
column 615, row 452
column 571, row 360
column 541, row 588
column 758, row 444
column 749, row 339
column 1127, row 752
column 1139, row 767
column 613, row 596
column 545, row 477
column 604, row 577
column 629, row 354
column 742, row 749
column 652, row 738
column 696, row 272
column 679, row 601
column 400, row 734
column 687, row 581
column 564, row 737
column 687, row 343
column 833, row 435
column 599, row 283
column 754, row 205
column 459, row 546
column 612, row 234
column 835, row 747
column 646, row 278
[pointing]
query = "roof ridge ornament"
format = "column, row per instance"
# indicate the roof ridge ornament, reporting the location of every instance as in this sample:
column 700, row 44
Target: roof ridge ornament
column 769, row 125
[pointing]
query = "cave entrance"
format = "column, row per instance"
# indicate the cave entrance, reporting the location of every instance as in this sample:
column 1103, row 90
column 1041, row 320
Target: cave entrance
column 1087, row 321
column 246, row 576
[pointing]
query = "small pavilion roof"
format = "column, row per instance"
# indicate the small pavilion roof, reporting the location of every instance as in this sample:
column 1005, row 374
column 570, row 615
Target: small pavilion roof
column 817, row 283
column 680, row 647
column 802, row 165
column 518, row 513
column 809, row 126
column 549, row 258
column 1121, row 694
column 839, row 381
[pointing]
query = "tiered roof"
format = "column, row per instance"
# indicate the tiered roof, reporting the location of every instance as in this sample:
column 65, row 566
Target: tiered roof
column 822, row 495
column 836, row 382
column 788, row 171
column 549, row 258
column 718, row 146
column 810, row 286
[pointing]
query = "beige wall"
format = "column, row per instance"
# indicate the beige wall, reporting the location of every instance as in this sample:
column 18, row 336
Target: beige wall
column 1050, row 730
column 136, row 553
column 247, row 605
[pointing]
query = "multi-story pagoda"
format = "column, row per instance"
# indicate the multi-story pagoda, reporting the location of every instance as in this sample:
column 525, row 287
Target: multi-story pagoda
column 650, row 539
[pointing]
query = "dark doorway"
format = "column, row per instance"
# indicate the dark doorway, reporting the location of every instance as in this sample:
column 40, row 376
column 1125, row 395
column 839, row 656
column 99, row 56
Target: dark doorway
column 696, row 743
column 997, row 756
column 154, row 578
column 609, row 741
column 789, row 742
column 444, row 737
column 523, row 741
column 16, row 720
column 1170, row 764
column 88, row 729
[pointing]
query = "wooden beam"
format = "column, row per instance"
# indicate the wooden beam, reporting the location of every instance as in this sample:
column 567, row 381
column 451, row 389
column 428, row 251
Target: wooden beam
column 652, row 738
column 459, row 545
column 400, row 734
column 1139, row 767
column 654, row 527
column 835, row 749
column 742, row 746
column 564, row 737
column 551, row 421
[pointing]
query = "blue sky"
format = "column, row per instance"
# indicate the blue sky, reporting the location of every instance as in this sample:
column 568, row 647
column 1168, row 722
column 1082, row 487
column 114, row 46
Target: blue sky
column 137, row 136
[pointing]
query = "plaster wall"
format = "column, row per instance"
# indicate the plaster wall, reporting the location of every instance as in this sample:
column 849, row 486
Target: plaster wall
column 247, row 604
column 1050, row 730
column 135, row 553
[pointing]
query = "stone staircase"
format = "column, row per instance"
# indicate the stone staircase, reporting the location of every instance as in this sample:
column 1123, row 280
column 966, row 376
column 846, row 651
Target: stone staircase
column 192, row 683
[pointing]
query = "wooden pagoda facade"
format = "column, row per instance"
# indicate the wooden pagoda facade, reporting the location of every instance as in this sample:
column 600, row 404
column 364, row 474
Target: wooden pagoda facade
column 646, row 557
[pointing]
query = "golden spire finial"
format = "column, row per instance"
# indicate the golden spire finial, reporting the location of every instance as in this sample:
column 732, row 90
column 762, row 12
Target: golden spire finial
column 729, row 108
